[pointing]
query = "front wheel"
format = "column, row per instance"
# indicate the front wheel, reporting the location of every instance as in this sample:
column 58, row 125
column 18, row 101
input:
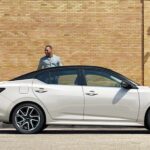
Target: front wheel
column 28, row 118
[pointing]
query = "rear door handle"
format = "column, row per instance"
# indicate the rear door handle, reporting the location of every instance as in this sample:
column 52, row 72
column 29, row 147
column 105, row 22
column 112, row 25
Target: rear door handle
column 41, row 90
column 91, row 93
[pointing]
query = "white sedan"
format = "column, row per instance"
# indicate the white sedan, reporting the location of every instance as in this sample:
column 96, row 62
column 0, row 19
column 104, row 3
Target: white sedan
column 73, row 95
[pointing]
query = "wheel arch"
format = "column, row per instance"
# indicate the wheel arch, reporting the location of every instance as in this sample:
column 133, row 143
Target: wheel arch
column 24, row 102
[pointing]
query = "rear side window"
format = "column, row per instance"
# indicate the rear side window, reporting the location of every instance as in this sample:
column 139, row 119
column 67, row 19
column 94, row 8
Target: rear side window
column 46, row 77
column 66, row 76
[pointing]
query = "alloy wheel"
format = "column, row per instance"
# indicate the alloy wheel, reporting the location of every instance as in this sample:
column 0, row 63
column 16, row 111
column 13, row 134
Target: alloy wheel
column 27, row 118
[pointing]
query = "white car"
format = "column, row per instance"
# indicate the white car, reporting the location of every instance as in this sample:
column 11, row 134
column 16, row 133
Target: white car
column 73, row 95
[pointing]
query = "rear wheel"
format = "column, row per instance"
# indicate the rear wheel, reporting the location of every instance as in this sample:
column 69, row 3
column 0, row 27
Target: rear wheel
column 147, row 120
column 28, row 118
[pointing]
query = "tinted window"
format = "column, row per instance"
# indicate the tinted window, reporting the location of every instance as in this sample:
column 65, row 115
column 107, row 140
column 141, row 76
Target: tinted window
column 46, row 77
column 101, row 78
column 67, row 77
column 60, row 76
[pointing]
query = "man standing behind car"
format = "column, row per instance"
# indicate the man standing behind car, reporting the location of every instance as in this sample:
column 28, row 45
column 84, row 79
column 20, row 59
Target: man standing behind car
column 49, row 60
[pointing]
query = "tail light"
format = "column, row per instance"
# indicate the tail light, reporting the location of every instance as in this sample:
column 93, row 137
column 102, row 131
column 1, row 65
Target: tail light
column 2, row 89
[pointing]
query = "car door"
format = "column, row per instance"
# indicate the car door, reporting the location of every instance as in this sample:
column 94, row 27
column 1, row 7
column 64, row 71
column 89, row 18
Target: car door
column 61, row 93
column 106, row 100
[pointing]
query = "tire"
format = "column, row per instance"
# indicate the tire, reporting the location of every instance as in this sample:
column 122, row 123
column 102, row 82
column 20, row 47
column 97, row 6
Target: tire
column 28, row 118
column 147, row 120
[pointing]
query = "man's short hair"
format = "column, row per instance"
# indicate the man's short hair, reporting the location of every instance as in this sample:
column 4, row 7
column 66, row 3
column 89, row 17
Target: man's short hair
column 48, row 46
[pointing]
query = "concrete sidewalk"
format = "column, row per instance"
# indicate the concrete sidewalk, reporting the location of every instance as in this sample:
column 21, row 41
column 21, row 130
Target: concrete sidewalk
column 77, row 139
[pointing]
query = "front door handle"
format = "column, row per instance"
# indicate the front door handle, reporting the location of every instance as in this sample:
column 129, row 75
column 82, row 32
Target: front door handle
column 91, row 93
column 41, row 90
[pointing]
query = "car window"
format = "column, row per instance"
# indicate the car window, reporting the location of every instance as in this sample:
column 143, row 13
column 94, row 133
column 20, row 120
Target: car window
column 67, row 77
column 63, row 76
column 101, row 78
column 46, row 77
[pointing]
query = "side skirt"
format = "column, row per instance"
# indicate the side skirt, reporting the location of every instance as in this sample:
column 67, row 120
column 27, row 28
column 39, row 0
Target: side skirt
column 112, row 123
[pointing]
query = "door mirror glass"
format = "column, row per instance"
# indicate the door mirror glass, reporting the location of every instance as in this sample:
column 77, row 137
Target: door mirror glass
column 126, row 85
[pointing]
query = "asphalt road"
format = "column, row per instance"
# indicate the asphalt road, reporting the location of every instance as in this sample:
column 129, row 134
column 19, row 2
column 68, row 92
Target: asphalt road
column 77, row 139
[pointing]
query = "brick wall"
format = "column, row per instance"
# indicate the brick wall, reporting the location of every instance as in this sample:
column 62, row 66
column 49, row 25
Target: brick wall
column 93, row 32
column 147, row 41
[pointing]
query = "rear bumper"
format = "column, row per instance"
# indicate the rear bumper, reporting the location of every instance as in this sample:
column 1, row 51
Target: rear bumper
column 4, row 106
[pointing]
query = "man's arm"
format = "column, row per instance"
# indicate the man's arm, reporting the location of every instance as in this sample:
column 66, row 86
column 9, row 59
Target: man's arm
column 60, row 62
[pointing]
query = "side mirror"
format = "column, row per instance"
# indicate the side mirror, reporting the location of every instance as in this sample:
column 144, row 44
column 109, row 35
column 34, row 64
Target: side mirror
column 125, row 85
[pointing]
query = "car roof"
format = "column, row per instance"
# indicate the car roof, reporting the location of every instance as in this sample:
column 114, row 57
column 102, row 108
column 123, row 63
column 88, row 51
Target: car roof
column 69, row 66
column 74, row 66
column 34, row 73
